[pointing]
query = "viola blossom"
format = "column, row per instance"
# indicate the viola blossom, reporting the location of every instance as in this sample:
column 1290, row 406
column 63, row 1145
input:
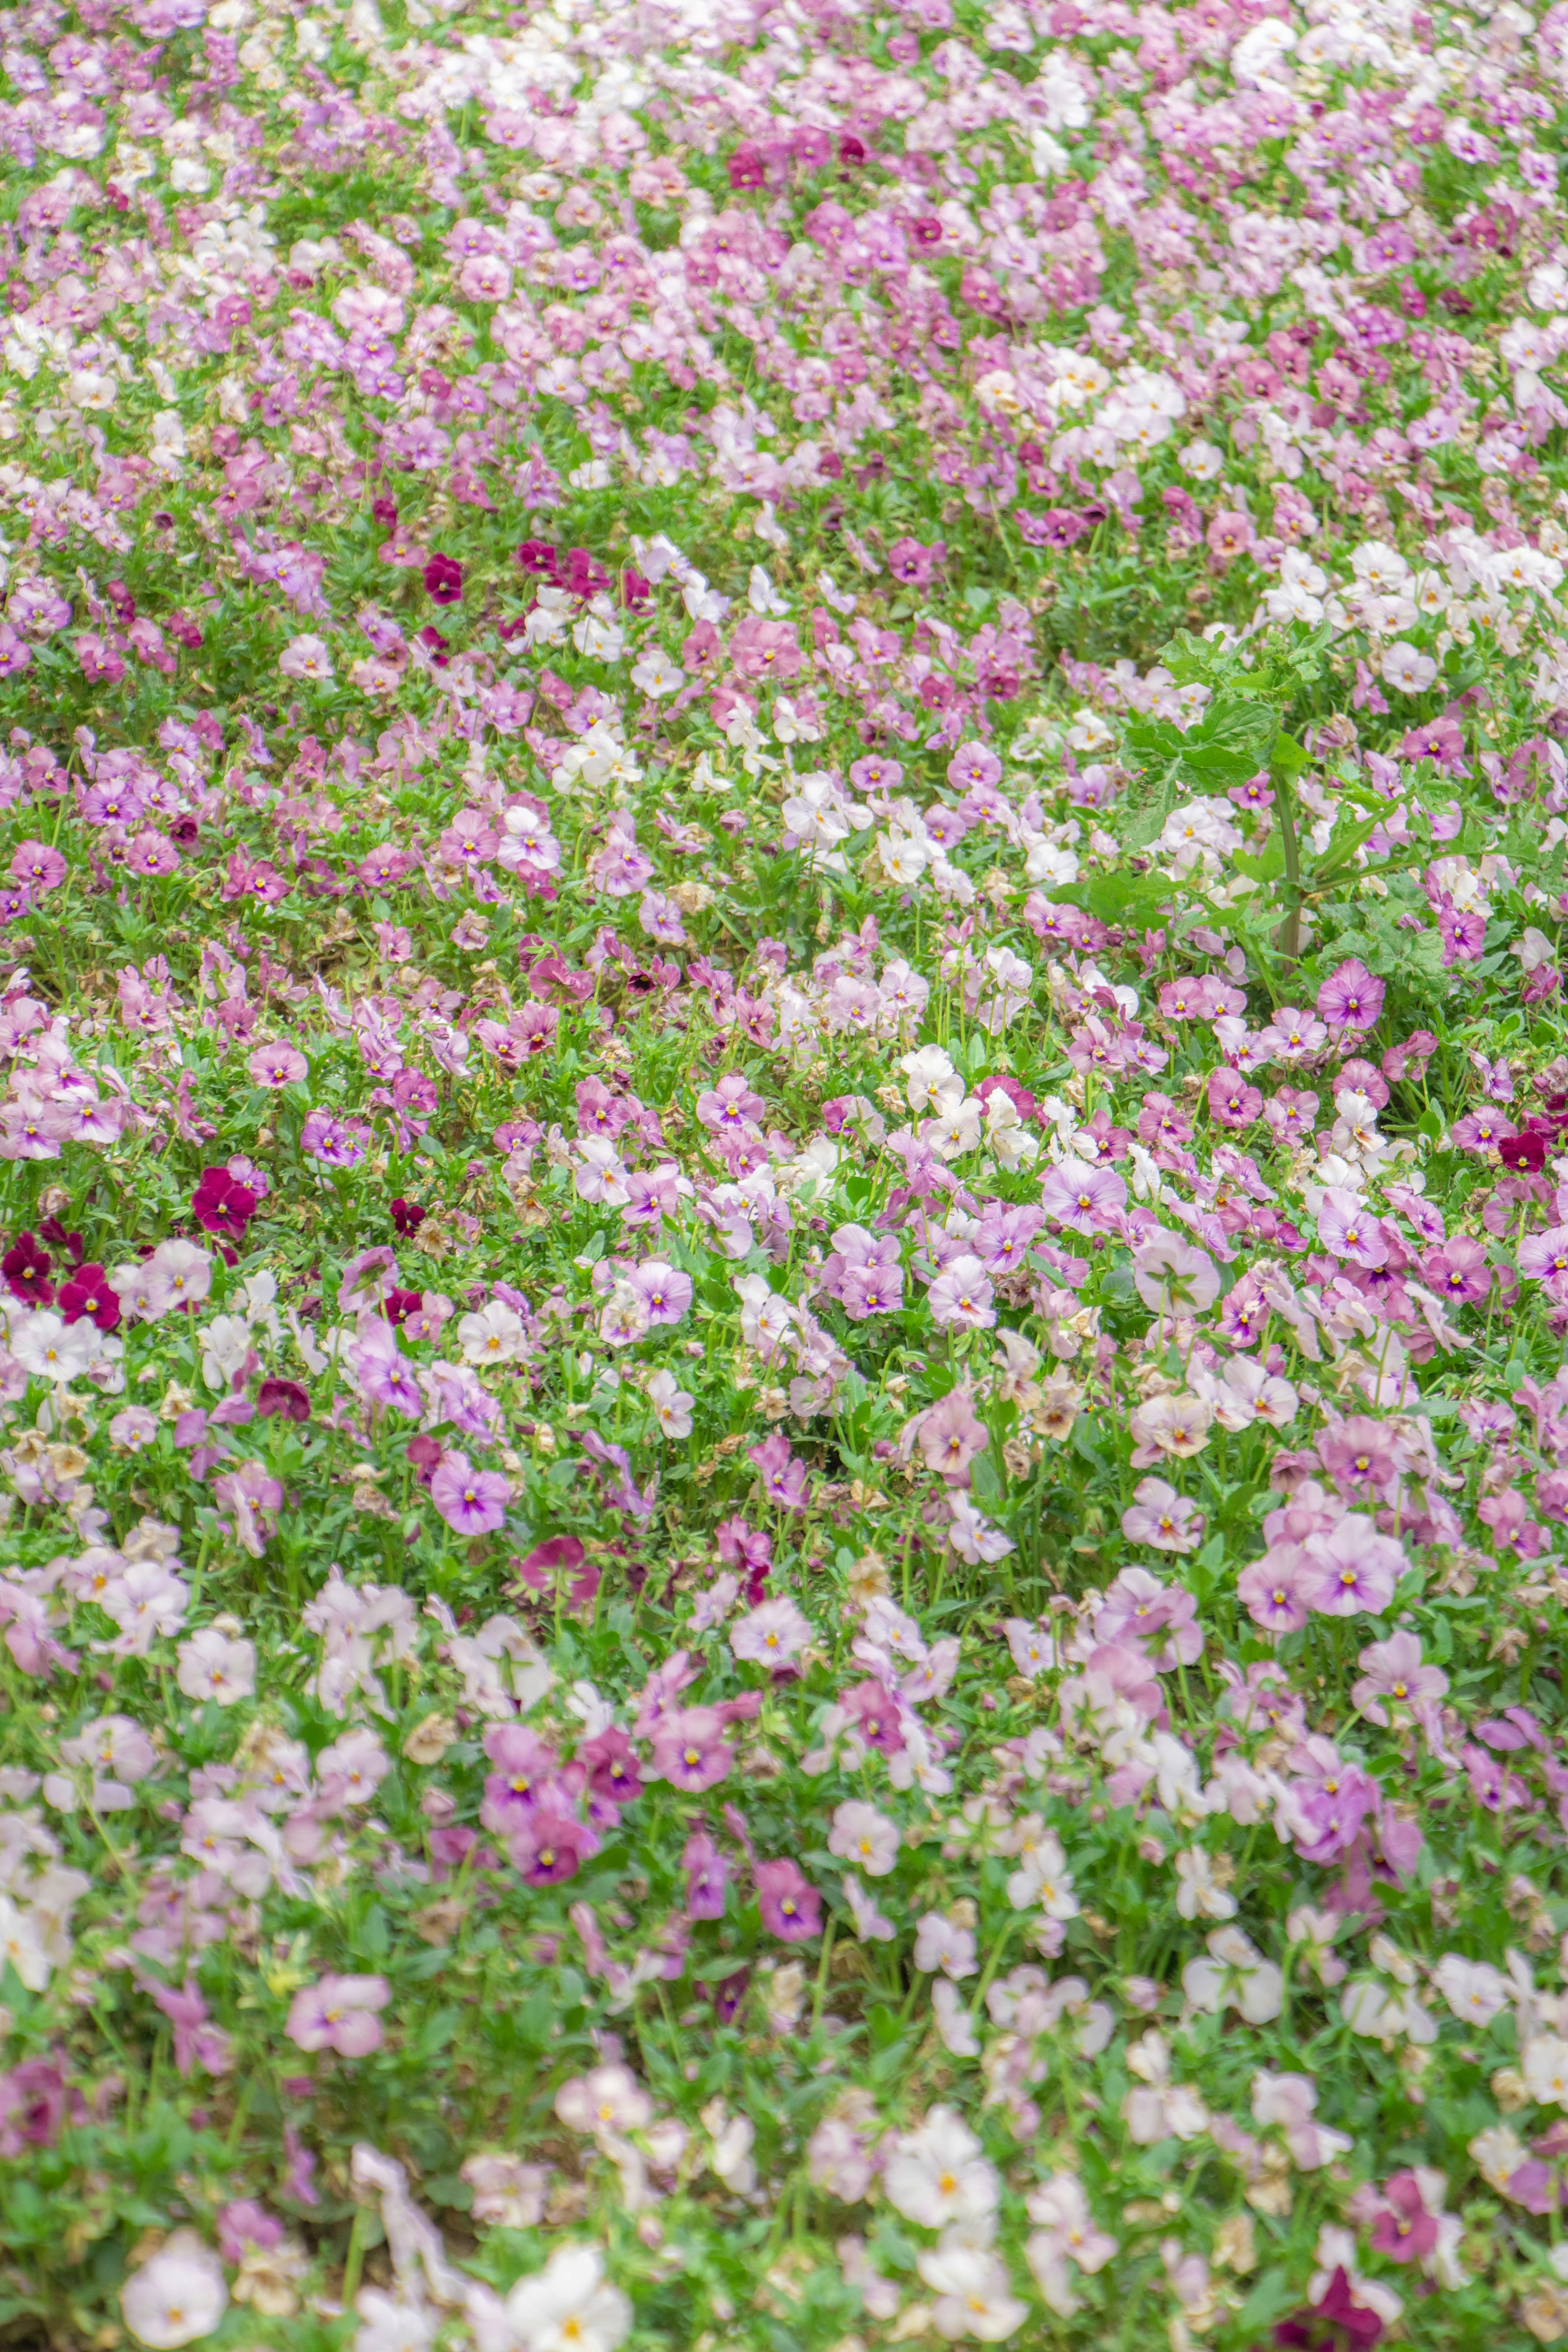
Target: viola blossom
column 1162, row 1518
column 1085, row 1199
column 178, row 2296
column 790, row 1908
column 1392, row 1674
column 772, row 1635
column 339, row 2013
column 472, row 1502
column 282, row 1064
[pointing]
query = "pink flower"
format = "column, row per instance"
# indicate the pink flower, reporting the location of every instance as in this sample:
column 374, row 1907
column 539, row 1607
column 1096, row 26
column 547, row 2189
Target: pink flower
column 339, row 2013
column 790, row 1908
column 37, row 866
column 1405, row 2231
column 278, row 1065
column 472, row 1501
column 689, row 1750
column 950, row 1436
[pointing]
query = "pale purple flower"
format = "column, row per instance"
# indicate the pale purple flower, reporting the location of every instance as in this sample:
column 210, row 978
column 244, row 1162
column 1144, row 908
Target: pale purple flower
column 1087, row 1199
column 1274, row 1590
column 1354, row 1568
column 1158, row 1515
column 1393, row 1670
column 665, row 1291
column 1349, row 1229
column 961, row 1297
column 771, row 1635
column 339, row 2013
column 1175, row 1276
column 950, row 1436
column 214, row 1665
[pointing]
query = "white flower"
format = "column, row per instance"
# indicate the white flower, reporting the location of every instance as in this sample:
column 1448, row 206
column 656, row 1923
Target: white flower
column 937, row 2174
column 178, row 2296
column 1200, row 1894
column 214, row 1665
column 1546, row 2069
column 493, row 1335
column 671, row 1403
column 656, row 674
column 974, row 2294
column 21, row 1946
column 904, row 858
column 51, row 1349
column 1236, row 1977
column 569, row 2305
column 930, row 1080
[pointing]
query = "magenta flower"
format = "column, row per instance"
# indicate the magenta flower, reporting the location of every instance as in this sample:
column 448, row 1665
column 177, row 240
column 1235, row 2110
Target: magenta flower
column 444, row 580
column 1405, row 2231
column 1350, row 998
column 37, row 866
column 339, row 2013
column 551, row 1846
column 791, row 1907
column 472, row 1501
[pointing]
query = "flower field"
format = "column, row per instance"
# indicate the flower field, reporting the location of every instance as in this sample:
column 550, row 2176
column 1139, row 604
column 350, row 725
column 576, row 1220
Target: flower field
column 783, row 1439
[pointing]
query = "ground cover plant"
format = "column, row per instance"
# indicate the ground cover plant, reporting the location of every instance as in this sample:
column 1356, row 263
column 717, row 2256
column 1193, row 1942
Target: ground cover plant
column 785, row 1192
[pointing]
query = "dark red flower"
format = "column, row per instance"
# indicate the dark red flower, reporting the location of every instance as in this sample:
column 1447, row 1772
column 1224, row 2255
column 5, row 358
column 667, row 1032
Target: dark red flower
column 407, row 1216
column 27, row 1269
column 745, row 167
column 399, row 1305
column 635, row 590
column 286, row 1399
column 385, row 510
column 50, row 1229
column 581, row 576
column 87, row 1294
column 928, row 230
column 1335, row 2325
column 1525, row 1153
column 444, row 580
column 222, row 1205
column 537, row 556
